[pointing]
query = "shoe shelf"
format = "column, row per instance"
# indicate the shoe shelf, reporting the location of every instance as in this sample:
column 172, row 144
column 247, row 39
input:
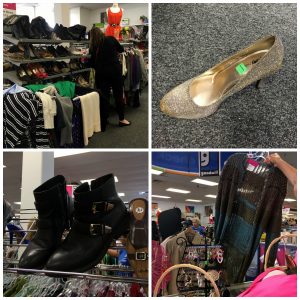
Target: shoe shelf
column 13, row 40
column 29, row 61
column 12, row 76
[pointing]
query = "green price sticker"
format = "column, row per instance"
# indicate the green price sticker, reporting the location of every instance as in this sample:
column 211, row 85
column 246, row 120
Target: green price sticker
column 241, row 69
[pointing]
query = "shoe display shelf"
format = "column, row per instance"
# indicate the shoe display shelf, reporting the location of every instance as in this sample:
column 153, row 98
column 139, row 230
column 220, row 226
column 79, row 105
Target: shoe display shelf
column 12, row 75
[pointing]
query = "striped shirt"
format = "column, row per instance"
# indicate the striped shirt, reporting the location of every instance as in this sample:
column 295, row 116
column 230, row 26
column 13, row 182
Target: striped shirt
column 23, row 121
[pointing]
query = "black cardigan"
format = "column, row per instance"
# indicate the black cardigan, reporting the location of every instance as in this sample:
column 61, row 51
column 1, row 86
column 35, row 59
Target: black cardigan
column 247, row 205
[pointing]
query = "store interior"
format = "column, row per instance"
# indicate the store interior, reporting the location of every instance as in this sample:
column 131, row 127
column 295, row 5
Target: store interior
column 119, row 264
column 50, row 46
column 196, row 197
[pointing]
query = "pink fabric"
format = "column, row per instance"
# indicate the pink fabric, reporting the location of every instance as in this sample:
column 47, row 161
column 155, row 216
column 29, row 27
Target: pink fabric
column 274, row 286
column 160, row 263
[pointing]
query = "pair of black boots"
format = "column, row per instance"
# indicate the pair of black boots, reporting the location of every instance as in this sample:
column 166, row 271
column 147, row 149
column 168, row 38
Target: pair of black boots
column 99, row 217
column 76, row 32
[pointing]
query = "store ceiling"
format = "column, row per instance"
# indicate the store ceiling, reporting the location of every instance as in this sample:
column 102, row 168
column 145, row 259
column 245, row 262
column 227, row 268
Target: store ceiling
column 131, row 169
column 198, row 191
column 91, row 5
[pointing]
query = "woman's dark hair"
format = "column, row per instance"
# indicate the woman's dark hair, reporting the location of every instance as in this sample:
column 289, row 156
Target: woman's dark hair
column 96, row 38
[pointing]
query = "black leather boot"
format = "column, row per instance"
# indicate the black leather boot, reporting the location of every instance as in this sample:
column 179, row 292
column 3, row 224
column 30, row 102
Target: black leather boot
column 54, row 208
column 100, row 216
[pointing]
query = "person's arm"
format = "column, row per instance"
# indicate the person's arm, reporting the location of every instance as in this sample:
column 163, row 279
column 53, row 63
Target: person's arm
column 289, row 171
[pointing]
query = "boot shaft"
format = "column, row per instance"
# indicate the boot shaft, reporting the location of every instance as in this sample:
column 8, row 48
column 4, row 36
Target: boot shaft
column 98, row 203
column 52, row 203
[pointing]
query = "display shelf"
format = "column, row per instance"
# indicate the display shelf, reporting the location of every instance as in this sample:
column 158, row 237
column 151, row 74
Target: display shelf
column 13, row 40
column 12, row 76
column 81, row 71
column 37, row 60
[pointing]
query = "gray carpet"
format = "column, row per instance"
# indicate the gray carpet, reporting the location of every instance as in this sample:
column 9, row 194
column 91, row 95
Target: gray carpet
column 188, row 39
column 133, row 136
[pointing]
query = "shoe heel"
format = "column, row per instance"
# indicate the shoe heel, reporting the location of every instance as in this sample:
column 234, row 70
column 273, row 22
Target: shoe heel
column 261, row 83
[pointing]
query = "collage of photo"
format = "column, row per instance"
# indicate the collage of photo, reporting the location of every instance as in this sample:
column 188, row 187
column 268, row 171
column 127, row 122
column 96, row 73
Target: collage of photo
column 149, row 149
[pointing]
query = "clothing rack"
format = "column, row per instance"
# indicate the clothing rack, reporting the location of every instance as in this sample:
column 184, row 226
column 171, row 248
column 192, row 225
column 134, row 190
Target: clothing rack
column 19, row 271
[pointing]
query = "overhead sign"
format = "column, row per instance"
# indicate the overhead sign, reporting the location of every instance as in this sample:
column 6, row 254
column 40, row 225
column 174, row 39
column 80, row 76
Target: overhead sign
column 209, row 163
column 180, row 162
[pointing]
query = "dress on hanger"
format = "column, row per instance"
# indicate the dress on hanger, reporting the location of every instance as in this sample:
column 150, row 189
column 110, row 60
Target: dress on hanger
column 114, row 20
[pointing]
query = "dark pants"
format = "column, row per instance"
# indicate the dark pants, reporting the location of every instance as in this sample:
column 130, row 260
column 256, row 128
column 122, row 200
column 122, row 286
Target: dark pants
column 106, row 80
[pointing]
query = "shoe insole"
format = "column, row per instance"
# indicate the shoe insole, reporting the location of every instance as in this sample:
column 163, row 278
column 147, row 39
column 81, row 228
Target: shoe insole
column 212, row 85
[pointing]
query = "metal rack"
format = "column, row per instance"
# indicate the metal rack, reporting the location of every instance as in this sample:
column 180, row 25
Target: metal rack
column 12, row 75
column 60, row 274
column 15, row 41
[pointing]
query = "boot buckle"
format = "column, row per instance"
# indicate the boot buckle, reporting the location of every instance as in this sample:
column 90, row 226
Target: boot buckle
column 99, row 229
column 141, row 255
column 102, row 206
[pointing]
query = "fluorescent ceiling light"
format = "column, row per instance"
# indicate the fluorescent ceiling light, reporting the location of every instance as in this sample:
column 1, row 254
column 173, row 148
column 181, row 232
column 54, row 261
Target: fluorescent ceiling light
column 193, row 200
column 63, row 153
column 205, row 182
column 289, row 200
column 116, row 179
column 121, row 194
column 177, row 191
column 159, row 196
column 156, row 172
column 18, row 203
column 211, row 196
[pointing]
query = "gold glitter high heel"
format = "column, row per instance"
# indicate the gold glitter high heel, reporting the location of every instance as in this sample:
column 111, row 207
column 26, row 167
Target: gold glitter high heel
column 201, row 96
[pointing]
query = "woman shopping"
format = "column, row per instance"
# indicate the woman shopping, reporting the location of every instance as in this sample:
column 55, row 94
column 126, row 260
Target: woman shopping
column 104, row 52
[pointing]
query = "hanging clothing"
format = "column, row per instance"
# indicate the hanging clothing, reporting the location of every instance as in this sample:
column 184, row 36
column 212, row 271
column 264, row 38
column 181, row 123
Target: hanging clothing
column 23, row 120
column 247, row 205
column 114, row 19
column 64, row 88
column 77, row 125
column 14, row 89
column 67, row 111
column 49, row 109
column 90, row 106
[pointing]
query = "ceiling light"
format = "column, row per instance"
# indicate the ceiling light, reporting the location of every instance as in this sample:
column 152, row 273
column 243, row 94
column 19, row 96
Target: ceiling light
column 159, row 196
column 116, row 179
column 205, row 182
column 87, row 180
column 18, row 203
column 121, row 194
column 211, row 196
column 58, row 153
column 177, row 191
column 289, row 200
column 4, row 166
column 156, row 172
column 193, row 200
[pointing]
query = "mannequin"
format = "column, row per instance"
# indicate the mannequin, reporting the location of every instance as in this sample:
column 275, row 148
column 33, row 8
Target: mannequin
column 114, row 17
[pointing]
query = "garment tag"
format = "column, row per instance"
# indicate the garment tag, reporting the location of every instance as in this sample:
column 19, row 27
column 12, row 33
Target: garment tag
column 241, row 69
column 252, row 164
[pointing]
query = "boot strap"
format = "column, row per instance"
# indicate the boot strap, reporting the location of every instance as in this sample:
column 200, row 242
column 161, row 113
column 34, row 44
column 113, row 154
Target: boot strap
column 92, row 207
column 92, row 229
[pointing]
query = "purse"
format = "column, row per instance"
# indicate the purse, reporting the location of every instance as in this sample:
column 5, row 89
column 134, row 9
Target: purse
column 17, row 25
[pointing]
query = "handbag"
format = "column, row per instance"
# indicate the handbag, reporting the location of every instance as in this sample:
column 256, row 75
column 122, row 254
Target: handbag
column 17, row 25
